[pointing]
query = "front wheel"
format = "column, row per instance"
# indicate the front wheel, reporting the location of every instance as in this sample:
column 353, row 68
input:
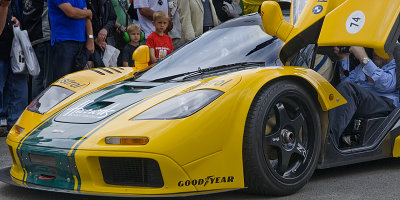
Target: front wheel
column 281, row 143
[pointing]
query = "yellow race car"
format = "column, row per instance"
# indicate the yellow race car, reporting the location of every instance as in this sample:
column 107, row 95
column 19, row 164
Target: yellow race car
column 219, row 114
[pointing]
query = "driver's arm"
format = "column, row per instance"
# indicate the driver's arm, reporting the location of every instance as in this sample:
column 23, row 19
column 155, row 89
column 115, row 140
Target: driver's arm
column 384, row 78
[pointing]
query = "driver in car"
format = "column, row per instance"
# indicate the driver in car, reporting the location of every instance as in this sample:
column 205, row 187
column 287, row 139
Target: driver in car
column 370, row 90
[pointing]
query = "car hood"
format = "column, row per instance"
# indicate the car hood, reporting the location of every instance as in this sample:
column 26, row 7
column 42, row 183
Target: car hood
column 88, row 114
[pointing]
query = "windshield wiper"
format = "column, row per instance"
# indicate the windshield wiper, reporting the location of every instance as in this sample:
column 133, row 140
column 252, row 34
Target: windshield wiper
column 199, row 71
column 221, row 68
column 262, row 45
column 167, row 78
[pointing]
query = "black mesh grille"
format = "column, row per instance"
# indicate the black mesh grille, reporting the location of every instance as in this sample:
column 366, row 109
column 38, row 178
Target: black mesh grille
column 141, row 172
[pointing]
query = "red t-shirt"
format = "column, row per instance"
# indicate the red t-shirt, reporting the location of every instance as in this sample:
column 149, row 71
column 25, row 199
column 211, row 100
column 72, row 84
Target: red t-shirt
column 161, row 44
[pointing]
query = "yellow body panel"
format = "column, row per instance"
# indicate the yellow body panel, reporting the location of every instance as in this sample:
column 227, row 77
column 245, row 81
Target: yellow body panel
column 273, row 21
column 353, row 24
column 396, row 147
column 306, row 19
column 141, row 57
column 344, row 23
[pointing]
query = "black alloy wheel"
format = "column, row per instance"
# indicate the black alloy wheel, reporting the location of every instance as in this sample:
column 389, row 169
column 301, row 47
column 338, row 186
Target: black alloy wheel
column 282, row 139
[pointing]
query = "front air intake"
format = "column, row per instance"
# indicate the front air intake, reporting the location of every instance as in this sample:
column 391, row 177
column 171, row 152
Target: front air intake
column 140, row 172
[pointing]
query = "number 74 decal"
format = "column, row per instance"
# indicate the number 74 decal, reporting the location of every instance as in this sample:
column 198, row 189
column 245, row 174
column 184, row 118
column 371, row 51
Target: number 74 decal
column 355, row 22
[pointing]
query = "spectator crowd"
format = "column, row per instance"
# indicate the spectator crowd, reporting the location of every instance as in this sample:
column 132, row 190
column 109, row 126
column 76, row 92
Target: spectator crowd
column 71, row 35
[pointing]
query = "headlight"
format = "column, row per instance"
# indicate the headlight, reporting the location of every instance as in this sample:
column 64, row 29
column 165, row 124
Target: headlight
column 180, row 106
column 48, row 99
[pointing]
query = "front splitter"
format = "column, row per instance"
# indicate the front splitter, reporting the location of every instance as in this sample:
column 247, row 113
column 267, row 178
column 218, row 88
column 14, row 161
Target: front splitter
column 6, row 177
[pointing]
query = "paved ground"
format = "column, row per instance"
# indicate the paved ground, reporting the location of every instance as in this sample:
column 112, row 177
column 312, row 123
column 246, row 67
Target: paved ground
column 371, row 180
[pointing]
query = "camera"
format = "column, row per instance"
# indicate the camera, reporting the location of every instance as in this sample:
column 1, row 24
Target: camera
column 344, row 49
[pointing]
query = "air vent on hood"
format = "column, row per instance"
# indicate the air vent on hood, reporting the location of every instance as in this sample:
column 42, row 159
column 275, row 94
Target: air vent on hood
column 104, row 103
column 99, row 72
column 98, row 105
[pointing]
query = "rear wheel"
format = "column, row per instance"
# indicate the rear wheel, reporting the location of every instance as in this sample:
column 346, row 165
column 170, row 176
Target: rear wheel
column 281, row 142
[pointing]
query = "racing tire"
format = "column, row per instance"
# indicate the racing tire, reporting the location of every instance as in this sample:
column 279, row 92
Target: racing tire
column 282, row 139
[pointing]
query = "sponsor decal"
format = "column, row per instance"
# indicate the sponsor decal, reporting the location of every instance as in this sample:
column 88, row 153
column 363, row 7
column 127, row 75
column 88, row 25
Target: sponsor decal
column 80, row 111
column 71, row 83
column 322, row 1
column 355, row 22
column 205, row 181
column 215, row 83
column 317, row 9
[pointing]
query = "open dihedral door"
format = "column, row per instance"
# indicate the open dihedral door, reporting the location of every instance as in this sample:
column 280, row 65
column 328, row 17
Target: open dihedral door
column 368, row 23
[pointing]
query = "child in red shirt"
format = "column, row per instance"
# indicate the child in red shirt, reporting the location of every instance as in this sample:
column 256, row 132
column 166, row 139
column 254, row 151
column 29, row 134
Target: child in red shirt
column 160, row 44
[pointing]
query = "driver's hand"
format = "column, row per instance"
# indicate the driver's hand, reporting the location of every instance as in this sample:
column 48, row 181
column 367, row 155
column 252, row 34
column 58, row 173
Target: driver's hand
column 341, row 56
column 358, row 52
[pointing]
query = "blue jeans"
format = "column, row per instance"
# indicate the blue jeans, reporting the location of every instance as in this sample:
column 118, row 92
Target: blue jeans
column 13, row 92
column 360, row 102
column 63, row 57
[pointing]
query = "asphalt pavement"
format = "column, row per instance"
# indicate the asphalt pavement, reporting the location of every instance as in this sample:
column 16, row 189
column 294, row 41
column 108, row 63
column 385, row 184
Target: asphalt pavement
column 369, row 180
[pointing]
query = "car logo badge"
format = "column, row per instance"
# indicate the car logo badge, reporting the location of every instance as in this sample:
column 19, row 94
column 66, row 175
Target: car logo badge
column 317, row 9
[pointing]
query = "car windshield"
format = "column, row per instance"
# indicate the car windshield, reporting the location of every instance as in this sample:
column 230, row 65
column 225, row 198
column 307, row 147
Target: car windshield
column 218, row 47
column 298, row 6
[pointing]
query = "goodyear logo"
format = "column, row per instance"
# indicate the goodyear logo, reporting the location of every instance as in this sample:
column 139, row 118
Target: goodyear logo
column 206, row 181
column 70, row 83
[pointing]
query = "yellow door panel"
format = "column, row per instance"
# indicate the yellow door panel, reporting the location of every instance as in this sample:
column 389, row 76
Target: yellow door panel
column 362, row 23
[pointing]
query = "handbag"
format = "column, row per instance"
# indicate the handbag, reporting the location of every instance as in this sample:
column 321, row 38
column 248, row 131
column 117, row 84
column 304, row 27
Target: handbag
column 21, row 52
column 18, row 64
column 110, row 56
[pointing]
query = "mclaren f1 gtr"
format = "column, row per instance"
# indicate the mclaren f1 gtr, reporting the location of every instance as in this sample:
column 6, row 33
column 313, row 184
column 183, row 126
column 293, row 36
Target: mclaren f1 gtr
column 221, row 113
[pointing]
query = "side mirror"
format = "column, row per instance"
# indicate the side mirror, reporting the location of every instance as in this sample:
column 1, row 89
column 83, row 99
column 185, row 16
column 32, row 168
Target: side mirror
column 273, row 22
column 141, row 56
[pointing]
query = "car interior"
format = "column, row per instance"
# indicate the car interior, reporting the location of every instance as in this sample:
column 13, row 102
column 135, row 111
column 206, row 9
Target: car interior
column 362, row 131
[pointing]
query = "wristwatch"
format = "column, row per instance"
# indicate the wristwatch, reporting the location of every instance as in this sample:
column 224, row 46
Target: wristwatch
column 90, row 36
column 365, row 60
